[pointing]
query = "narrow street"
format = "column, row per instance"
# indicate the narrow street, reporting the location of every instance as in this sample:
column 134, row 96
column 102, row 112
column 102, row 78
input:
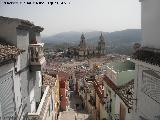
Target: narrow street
column 72, row 113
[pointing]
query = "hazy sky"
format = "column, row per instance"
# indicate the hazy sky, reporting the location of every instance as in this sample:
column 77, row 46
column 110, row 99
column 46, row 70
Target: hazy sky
column 79, row 15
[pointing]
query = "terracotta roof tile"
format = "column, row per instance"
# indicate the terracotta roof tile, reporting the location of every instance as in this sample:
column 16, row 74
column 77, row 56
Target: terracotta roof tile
column 48, row 80
column 122, row 91
column 8, row 52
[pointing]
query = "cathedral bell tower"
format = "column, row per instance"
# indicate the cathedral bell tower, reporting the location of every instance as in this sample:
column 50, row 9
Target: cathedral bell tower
column 101, row 45
column 82, row 44
column 82, row 47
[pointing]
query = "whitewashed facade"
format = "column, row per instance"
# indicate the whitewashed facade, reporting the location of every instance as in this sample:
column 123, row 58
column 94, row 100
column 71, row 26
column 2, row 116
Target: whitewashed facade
column 147, row 81
column 20, row 84
column 150, row 23
column 147, row 78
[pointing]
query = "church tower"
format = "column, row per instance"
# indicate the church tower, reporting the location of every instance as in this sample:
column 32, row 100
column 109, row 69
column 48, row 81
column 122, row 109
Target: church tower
column 101, row 45
column 82, row 47
column 82, row 44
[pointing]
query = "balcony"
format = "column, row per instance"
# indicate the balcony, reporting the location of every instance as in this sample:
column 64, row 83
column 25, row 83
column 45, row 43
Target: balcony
column 41, row 113
column 37, row 58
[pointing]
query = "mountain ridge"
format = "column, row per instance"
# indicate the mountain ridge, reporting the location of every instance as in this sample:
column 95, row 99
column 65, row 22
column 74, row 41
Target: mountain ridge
column 117, row 42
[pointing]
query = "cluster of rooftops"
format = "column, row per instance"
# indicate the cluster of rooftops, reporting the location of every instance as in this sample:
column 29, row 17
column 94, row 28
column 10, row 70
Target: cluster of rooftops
column 8, row 53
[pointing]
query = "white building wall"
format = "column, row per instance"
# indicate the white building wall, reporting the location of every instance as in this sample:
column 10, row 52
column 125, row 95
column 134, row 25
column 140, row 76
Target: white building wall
column 27, row 83
column 17, row 90
column 118, row 101
column 145, row 106
column 38, row 84
column 8, row 31
column 151, row 23
column 23, row 43
column 7, row 94
column 32, row 101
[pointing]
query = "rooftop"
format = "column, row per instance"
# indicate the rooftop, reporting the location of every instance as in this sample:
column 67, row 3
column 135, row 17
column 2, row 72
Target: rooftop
column 48, row 80
column 8, row 53
column 124, row 77
column 123, row 91
column 26, row 22
column 121, row 66
column 22, row 24
column 148, row 55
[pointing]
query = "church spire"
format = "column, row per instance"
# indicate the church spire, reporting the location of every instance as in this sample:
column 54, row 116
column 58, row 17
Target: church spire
column 82, row 42
column 101, row 45
column 101, row 38
column 82, row 37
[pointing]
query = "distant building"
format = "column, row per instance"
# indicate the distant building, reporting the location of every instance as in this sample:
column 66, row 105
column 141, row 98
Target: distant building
column 147, row 60
column 101, row 45
column 84, row 50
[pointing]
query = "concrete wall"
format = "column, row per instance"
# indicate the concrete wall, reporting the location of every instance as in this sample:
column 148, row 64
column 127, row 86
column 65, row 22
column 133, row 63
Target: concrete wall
column 118, row 101
column 8, row 31
column 17, row 89
column 21, row 88
column 7, row 94
column 145, row 106
column 37, row 87
column 26, row 83
column 23, row 43
column 151, row 23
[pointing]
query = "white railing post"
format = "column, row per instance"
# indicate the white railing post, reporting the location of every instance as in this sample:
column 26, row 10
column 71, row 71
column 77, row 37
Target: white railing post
column 41, row 111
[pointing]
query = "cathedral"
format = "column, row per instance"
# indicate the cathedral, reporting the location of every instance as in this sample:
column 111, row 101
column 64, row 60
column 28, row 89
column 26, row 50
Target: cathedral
column 87, row 51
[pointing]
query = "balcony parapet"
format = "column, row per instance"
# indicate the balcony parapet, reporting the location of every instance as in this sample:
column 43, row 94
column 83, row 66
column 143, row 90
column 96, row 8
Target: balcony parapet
column 36, row 54
column 42, row 108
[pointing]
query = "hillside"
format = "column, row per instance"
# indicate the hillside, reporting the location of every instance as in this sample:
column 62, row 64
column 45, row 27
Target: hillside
column 116, row 42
